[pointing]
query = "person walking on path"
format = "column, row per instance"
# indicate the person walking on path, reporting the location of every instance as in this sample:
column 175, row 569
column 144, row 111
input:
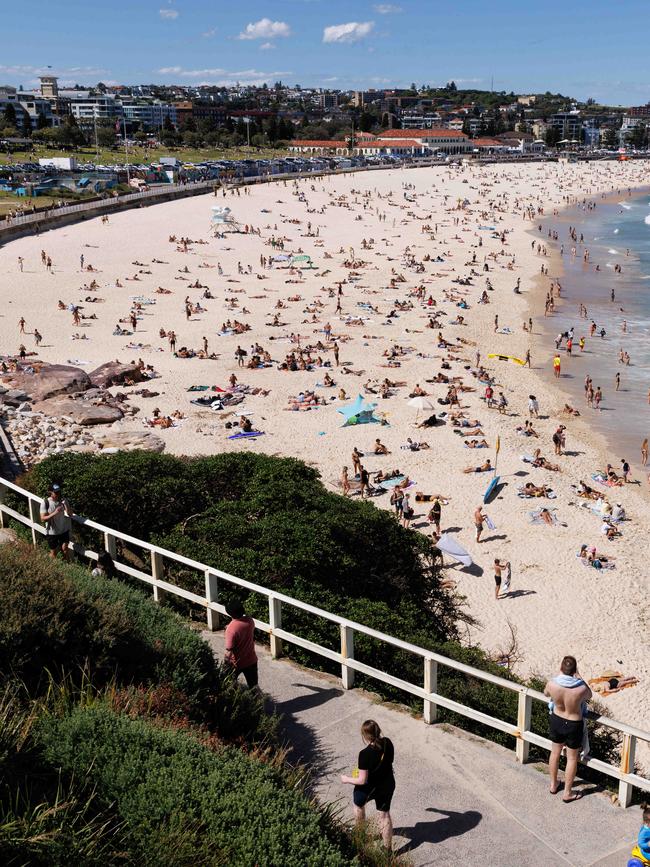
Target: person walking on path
column 568, row 694
column 373, row 779
column 56, row 513
column 240, row 643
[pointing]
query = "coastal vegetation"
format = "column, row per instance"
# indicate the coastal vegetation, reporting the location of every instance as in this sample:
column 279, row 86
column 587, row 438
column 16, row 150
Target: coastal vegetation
column 122, row 741
column 271, row 521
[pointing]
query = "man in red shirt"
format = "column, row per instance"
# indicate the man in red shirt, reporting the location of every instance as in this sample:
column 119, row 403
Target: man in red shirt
column 240, row 643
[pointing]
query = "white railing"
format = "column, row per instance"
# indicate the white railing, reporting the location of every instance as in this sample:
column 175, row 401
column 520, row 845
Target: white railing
column 344, row 655
column 109, row 202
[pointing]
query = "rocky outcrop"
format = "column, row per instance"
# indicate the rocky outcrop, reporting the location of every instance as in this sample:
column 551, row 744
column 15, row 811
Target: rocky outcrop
column 115, row 373
column 128, row 441
column 83, row 412
column 47, row 380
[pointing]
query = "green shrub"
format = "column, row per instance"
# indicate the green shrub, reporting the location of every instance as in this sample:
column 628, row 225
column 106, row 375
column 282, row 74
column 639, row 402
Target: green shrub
column 161, row 780
column 45, row 820
column 58, row 619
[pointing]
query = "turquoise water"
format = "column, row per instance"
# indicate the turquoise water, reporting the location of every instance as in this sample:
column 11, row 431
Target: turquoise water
column 616, row 233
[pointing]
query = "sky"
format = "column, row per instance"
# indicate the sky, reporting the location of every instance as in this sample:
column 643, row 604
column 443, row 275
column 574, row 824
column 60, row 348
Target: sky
column 584, row 48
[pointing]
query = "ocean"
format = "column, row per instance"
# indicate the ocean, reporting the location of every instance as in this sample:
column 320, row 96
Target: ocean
column 616, row 232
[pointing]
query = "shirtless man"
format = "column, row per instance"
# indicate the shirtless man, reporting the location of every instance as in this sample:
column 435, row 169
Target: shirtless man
column 479, row 519
column 567, row 691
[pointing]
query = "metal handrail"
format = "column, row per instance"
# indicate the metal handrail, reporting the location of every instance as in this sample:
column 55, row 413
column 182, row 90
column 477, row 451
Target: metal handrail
column 428, row 693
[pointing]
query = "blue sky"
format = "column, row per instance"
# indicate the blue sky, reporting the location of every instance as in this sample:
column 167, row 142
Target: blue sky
column 583, row 48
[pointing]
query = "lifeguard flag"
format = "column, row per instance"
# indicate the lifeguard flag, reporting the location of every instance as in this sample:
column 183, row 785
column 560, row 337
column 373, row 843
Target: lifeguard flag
column 498, row 445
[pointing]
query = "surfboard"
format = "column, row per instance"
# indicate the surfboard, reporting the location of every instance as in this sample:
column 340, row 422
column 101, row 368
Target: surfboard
column 511, row 358
column 490, row 488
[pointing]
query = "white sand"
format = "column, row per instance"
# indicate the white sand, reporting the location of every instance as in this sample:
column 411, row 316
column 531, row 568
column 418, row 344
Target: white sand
column 558, row 605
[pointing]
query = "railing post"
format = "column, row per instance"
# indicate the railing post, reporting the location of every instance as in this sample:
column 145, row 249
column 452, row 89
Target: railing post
column 34, row 517
column 347, row 652
column 275, row 622
column 3, row 492
column 628, row 752
column 524, row 712
column 211, row 595
column 110, row 545
column 157, row 573
column 430, row 685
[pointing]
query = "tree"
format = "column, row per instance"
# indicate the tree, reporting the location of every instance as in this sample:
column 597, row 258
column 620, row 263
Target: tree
column 272, row 128
column 451, row 86
column 168, row 126
column 41, row 121
column 9, row 115
column 366, row 122
column 106, row 136
column 553, row 136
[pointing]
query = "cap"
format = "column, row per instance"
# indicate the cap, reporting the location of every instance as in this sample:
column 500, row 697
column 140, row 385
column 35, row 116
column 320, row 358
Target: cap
column 55, row 487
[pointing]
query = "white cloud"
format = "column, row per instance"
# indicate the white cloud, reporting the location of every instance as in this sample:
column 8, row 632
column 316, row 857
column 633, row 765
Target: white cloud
column 353, row 31
column 265, row 29
column 387, row 9
column 78, row 73
column 223, row 77
column 168, row 14
column 208, row 34
column 266, row 46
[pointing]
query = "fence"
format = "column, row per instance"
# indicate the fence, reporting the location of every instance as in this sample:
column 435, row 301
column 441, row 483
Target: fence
column 110, row 202
column 432, row 700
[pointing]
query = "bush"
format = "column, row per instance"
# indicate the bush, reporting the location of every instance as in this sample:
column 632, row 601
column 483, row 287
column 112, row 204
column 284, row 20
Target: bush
column 162, row 781
column 45, row 820
column 59, row 620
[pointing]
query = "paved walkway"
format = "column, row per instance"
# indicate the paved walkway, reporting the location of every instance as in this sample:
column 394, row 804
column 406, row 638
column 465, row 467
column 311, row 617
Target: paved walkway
column 460, row 801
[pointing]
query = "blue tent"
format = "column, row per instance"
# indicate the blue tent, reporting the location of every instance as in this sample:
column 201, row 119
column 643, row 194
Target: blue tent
column 359, row 412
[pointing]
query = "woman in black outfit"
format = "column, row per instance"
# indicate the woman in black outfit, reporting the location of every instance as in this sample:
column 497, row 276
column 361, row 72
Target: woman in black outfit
column 374, row 780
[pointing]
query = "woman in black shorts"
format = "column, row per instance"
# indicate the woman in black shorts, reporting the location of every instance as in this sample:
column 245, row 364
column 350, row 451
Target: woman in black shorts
column 374, row 780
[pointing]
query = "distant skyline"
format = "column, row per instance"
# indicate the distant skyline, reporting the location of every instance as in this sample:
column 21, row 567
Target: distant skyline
column 582, row 49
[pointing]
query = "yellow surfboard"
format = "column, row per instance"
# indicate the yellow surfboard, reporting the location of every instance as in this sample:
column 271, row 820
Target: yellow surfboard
column 511, row 358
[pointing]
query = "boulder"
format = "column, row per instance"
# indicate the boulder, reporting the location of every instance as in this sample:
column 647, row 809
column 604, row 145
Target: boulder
column 48, row 381
column 79, row 411
column 115, row 373
column 127, row 441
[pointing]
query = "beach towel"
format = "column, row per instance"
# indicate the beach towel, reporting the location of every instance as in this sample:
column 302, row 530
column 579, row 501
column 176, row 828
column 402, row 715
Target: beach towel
column 387, row 484
column 490, row 523
column 521, row 492
column 592, row 564
column 609, row 682
column 448, row 545
column 506, row 584
column 528, row 459
column 250, row 435
column 536, row 517
column 198, row 388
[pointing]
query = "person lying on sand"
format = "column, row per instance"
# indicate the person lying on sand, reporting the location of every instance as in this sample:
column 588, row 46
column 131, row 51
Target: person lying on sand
column 540, row 461
column 476, row 444
column 532, row 490
column 484, row 468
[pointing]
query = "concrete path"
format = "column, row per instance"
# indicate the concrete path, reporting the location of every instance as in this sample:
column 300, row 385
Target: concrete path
column 460, row 801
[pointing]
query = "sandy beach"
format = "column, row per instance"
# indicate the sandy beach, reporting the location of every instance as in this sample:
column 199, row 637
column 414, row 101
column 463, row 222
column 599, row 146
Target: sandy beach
column 396, row 243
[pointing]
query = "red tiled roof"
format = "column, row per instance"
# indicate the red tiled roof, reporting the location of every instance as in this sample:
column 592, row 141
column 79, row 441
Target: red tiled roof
column 488, row 142
column 422, row 133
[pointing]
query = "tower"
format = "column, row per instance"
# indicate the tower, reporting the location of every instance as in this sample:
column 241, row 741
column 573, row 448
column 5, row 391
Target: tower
column 49, row 86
